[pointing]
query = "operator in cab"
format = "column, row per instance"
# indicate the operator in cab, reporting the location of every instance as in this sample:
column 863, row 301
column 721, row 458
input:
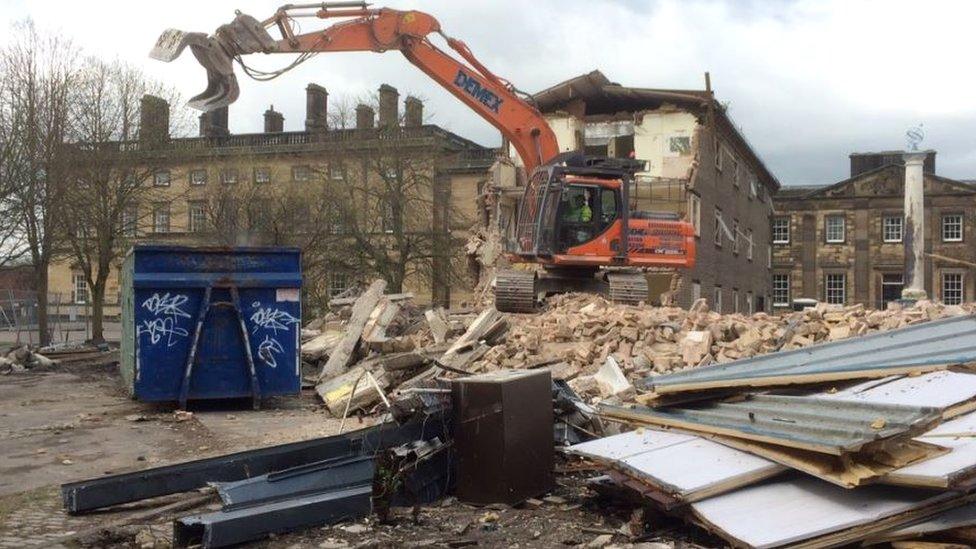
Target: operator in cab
column 580, row 211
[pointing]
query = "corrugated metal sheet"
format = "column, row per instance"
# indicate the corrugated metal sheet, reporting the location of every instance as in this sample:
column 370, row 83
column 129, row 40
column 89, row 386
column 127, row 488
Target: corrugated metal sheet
column 684, row 467
column 804, row 509
column 946, row 341
column 805, row 422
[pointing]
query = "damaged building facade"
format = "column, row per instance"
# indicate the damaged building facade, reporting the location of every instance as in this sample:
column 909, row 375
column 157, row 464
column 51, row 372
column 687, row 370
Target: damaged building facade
column 844, row 243
column 213, row 189
column 698, row 164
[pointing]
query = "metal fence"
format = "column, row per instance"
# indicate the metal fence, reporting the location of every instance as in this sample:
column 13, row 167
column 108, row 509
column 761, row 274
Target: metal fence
column 68, row 320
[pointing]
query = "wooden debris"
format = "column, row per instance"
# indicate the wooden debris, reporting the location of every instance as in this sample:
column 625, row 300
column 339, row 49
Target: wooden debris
column 342, row 356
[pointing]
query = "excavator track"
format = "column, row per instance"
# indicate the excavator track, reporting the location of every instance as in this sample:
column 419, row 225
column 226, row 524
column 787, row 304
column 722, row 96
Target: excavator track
column 515, row 291
column 627, row 288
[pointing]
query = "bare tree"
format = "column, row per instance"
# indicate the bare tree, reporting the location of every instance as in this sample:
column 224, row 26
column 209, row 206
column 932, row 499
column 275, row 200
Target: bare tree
column 342, row 113
column 38, row 73
column 395, row 210
column 113, row 166
column 13, row 246
column 252, row 203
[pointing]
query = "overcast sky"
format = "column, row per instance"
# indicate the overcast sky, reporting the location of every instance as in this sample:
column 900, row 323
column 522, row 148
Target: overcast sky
column 807, row 81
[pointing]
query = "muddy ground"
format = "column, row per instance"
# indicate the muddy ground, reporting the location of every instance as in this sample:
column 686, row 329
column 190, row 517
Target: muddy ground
column 63, row 425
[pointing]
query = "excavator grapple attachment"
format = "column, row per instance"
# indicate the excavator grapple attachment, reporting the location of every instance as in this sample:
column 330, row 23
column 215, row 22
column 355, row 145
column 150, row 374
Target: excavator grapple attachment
column 216, row 53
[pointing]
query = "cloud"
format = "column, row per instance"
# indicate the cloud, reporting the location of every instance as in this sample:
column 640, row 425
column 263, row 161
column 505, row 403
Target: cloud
column 809, row 81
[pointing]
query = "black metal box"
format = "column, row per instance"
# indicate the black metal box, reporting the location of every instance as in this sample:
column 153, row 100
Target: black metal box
column 503, row 435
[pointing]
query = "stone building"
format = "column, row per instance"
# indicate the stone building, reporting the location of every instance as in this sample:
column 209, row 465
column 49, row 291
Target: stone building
column 843, row 243
column 189, row 172
column 698, row 164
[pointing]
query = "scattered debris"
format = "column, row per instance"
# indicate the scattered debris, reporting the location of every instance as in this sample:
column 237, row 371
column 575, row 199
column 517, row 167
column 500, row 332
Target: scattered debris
column 660, row 402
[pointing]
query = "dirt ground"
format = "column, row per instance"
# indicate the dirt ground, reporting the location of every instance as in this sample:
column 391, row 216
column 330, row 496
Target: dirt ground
column 65, row 425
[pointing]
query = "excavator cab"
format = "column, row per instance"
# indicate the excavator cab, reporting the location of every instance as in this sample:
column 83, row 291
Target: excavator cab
column 562, row 210
column 576, row 220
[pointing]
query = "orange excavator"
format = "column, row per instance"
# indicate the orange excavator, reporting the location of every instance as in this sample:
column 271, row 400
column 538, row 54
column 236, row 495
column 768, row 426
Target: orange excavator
column 575, row 218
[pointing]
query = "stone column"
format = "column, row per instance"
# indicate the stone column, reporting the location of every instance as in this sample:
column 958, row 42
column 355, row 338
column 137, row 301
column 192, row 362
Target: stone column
column 914, row 237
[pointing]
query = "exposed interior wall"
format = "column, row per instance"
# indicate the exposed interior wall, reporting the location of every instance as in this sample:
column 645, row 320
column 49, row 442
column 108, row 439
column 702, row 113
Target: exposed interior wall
column 664, row 138
column 569, row 132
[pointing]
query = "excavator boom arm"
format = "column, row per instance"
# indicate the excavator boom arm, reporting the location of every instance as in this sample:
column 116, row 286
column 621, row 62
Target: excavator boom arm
column 365, row 29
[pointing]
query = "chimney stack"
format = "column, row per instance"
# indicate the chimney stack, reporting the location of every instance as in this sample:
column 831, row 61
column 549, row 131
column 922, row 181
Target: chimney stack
column 274, row 121
column 414, row 112
column 153, row 119
column 214, row 123
column 364, row 116
column 389, row 106
column 316, row 108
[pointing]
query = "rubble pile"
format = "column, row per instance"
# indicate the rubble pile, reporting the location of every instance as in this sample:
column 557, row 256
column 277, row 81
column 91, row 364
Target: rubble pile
column 576, row 334
column 376, row 344
column 21, row 358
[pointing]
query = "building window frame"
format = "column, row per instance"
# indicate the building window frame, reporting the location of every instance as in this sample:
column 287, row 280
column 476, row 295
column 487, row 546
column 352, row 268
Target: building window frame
column 735, row 236
column 388, row 217
column 79, row 289
column 781, row 289
column 718, row 227
column 694, row 212
column 717, row 298
column 749, row 242
column 161, row 218
column 198, row 177
column 337, row 171
column 781, row 229
column 835, row 229
column 162, row 178
column 338, row 282
column 735, row 300
column 750, row 303
column 196, row 216
column 952, row 286
column 301, row 173
column 229, row 176
column 130, row 221
column 261, row 175
column 719, row 153
column 679, row 145
column 734, row 168
column 835, row 288
column 892, row 228
column 952, row 227
column 695, row 291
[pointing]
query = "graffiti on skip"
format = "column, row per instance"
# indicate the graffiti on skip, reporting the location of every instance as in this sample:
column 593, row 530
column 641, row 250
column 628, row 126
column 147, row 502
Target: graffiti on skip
column 167, row 310
column 271, row 319
column 167, row 305
column 268, row 349
column 159, row 328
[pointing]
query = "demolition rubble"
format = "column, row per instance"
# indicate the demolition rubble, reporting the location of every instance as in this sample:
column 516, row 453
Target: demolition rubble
column 816, row 428
column 389, row 338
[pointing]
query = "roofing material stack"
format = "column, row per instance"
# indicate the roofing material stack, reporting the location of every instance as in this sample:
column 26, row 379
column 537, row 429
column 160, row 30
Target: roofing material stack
column 887, row 453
